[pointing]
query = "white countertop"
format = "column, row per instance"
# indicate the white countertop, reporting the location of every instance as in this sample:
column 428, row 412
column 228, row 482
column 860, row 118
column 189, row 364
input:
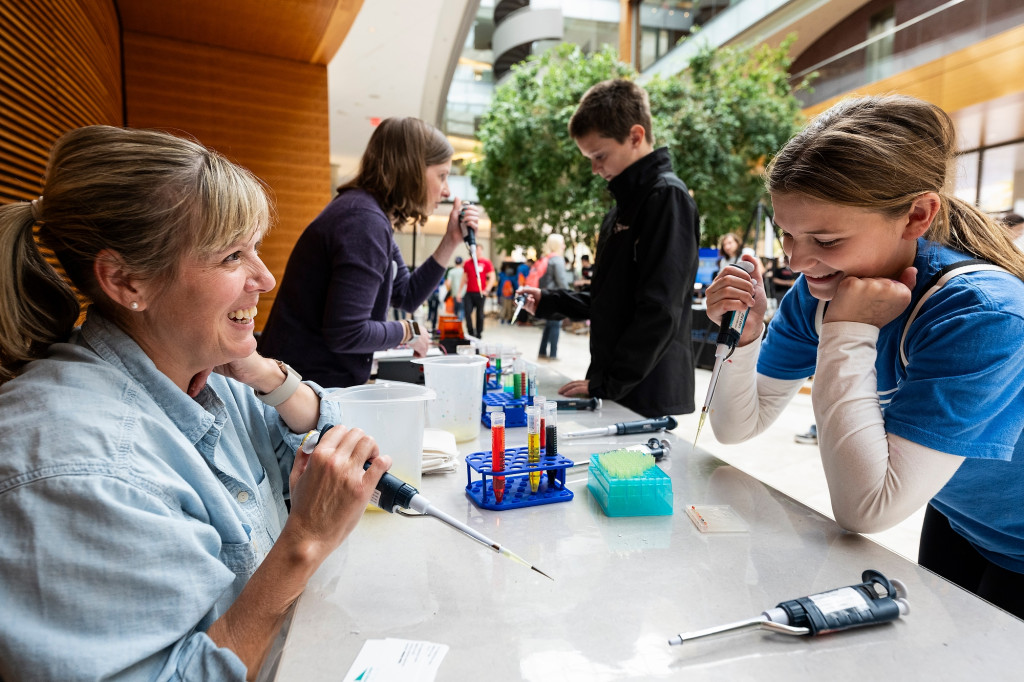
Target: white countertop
column 624, row 586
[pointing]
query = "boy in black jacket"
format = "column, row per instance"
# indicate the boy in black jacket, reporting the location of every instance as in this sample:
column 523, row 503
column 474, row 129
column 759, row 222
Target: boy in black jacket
column 641, row 352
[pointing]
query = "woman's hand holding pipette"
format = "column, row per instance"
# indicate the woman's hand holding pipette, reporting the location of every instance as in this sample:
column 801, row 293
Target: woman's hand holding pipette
column 330, row 490
column 871, row 300
column 735, row 291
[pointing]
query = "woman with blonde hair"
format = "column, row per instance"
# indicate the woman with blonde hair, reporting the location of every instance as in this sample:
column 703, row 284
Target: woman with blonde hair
column 554, row 277
column 149, row 453
column 908, row 311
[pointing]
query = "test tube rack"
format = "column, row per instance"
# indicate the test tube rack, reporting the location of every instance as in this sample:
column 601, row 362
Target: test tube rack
column 499, row 401
column 480, row 485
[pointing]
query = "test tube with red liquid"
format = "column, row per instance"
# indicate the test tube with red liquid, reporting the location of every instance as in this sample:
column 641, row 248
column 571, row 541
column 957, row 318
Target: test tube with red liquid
column 498, row 453
column 539, row 404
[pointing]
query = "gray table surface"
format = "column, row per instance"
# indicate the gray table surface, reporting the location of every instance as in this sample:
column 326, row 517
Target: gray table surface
column 623, row 586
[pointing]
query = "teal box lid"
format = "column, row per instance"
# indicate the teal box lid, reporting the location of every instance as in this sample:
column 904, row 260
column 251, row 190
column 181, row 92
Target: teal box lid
column 649, row 494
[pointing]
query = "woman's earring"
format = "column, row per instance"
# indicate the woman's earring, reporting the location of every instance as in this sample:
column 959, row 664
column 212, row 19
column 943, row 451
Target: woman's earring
column 134, row 305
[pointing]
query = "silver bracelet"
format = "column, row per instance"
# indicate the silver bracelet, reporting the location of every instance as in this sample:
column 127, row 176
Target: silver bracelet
column 284, row 391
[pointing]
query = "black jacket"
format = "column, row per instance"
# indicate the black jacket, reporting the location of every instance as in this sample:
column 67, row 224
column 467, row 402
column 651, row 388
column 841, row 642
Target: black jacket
column 641, row 351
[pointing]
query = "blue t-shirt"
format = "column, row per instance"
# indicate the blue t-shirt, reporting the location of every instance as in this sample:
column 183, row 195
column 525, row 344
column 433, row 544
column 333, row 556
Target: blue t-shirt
column 961, row 393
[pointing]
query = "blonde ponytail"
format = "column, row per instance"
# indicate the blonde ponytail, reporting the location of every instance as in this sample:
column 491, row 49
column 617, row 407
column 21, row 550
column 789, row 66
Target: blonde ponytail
column 37, row 306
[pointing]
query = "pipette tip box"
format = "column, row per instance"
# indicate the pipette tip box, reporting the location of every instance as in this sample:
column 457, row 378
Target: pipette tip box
column 648, row 494
column 517, row 480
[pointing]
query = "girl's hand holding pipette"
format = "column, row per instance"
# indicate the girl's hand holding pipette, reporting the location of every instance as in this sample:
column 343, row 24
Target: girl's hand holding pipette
column 533, row 295
column 871, row 300
column 735, row 290
column 330, row 490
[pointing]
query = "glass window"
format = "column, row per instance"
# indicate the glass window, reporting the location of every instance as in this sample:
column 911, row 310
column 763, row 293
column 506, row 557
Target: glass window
column 878, row 57
column 1002, row 178
column 966, row 180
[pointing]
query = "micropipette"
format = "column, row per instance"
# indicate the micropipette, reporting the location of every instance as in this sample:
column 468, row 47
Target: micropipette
column 819, row 614
column 728, row 337
column 639, row 426
column 579, row 404
column 658, row 449
column 470, row 239
column 393, row 494
column 520, row 300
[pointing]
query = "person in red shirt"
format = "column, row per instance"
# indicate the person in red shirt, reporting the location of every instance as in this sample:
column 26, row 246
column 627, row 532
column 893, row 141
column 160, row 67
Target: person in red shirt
column 474, row 298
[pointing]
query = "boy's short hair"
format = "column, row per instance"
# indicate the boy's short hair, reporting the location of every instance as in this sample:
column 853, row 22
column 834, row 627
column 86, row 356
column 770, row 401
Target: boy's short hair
column 610, row 109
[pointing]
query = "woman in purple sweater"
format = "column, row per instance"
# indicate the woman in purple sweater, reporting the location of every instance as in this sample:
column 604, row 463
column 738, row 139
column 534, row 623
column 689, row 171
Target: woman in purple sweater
column 345, row 271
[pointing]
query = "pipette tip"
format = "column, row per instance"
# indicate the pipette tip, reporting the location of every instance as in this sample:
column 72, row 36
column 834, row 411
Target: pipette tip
column 700, row 425
column 515, row 557
column 542, row 573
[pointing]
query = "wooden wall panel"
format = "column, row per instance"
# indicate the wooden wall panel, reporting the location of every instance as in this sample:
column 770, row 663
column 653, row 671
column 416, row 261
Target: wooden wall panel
column 986, row 70
column 265, row 113
column 60, row 69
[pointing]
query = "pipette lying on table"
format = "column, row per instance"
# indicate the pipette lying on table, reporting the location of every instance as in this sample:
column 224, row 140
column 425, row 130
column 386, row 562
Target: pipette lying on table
column 520, row 300
column 578, row 404
column 639, row 426
column 819, row 614
column 728, row 337
column 470, row 239
column 393, row 494
column 658, row 449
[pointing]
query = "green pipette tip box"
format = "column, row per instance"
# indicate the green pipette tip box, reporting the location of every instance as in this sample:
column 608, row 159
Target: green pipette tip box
column 648, row 494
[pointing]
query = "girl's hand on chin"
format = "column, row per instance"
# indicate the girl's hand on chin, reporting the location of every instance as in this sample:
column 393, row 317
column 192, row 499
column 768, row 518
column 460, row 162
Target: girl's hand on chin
column 871, row 300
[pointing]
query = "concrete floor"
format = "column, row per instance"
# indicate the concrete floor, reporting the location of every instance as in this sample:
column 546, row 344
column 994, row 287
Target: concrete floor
column 773, row 457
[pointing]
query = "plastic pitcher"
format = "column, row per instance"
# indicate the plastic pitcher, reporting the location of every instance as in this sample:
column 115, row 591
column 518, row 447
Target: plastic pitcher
column 394, row 414
column 459, row 383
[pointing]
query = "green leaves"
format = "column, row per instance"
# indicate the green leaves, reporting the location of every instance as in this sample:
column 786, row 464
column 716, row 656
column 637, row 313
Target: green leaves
column 722, row 120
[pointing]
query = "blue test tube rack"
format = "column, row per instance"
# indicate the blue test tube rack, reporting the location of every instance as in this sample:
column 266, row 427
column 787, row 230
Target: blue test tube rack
column 499, row 401
column 480, row 489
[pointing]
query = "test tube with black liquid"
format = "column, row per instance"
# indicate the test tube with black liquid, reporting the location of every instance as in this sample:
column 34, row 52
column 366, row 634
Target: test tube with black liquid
column 551, row 439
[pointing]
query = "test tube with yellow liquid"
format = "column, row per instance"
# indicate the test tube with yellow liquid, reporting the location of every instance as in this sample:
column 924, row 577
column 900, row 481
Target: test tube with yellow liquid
column 533, row 414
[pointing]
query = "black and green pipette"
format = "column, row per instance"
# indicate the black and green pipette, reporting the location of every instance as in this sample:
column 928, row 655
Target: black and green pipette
column 393, row 494
column 728, row 337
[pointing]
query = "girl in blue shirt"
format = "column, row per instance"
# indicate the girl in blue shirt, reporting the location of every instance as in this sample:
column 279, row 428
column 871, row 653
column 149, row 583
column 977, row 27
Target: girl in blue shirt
column 919, row 384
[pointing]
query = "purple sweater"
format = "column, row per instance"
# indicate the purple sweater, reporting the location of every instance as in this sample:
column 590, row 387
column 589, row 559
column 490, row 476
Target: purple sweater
column 343, row 275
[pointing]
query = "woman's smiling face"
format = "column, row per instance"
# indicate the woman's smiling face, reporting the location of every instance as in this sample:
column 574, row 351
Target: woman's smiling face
column 827, row 242
column 204, row 316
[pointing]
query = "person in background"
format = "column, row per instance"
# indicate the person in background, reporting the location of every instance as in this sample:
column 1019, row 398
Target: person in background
column 782, row 277
column 1016, row 224
column 918, row 400
column 729, row 247
column 641, row 349
column 582, row 283
column 474, row 298
column 506, row 292
column 434, row 304
column 150, row 452
column 554, row 278
column 522, row 272
column 453, row 280
column 330, row 314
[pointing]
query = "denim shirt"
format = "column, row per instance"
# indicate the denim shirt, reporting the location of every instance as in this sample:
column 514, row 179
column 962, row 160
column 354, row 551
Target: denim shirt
column 131, row 515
